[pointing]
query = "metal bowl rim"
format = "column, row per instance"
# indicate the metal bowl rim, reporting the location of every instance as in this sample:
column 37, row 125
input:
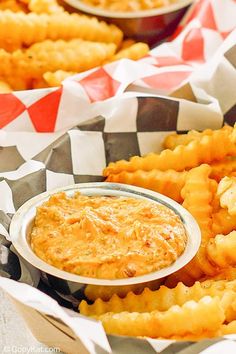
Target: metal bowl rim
column 26, row 212
column 128, row 15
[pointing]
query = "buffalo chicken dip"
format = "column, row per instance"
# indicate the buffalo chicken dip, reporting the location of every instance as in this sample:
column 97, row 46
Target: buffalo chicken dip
column 107, row 237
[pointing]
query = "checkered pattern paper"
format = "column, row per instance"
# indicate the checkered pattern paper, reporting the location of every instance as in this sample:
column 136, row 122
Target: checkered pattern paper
column 31, row 163
column 205, row 39
column 55, row 137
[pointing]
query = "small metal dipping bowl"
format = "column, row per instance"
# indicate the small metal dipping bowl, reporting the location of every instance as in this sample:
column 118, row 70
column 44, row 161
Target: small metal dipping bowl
column 68, row 284
column 150, row 26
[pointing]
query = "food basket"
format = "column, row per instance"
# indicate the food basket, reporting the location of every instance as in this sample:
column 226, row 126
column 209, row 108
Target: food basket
column 57, row 137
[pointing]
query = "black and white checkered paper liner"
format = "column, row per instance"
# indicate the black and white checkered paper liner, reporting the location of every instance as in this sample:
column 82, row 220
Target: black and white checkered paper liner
column 32, row 163
column 87, row 138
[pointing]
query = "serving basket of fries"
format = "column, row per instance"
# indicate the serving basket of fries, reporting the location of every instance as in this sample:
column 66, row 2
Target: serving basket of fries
column 182, row 146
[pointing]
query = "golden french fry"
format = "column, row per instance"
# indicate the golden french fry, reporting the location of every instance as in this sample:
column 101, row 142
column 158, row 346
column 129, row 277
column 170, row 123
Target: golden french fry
column 191, row 318
column 229, row 328
column 228, row 274
column 39, row 83
column 223, row 168
column 45, row 6
column 221, row 250
column 75, row 55
column 197, row 197
column 227, row 194
column 12, row 5
column 134, row 52
column 94, row 292
column 18, row 83
column 26, row 29
column 228, row 302
column 161, row 299
column 223, row 222
column 5, row 87
column 197, row 194
column 194, row 338
column 54, row 79
column 173, row 140
column 225, row 329
column 169, row 183
column 182, row 157
column 126, row 43
column 215, row 199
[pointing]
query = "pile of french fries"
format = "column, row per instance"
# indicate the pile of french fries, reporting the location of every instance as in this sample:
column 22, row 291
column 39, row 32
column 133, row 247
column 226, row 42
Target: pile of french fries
column 41, row 44
column 197, row 170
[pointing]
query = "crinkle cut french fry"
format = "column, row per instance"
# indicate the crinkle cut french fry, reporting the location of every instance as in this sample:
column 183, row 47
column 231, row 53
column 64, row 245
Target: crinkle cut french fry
column 223, row 168
column 18, row 83
column 194, row 338
column 56, row 78
column 75, row 55
column 26, row 29
column 126, row 43
column 94, row 292
column 12, row 5
column 39, row 83
column 45, row 6
column 229, row 328
column 197, row 194
column 169, row 183
column 221, row 250
column 228, row 302
column 224, row 330
column 174, row 139
column 182, row 157
column 197, row 197
column 215, row 199
column 161, row 299
column 134, row 52
column 192, row 318
column 227, row 194
column 223, row 223
column 228, row 274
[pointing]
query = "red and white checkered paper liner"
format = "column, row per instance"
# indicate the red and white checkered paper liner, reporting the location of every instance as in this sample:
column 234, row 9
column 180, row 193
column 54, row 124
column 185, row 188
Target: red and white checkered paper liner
column 198, row 38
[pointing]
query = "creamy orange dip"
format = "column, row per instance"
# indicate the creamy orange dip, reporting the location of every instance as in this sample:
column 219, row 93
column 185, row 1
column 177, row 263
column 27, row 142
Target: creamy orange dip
column 107, row 237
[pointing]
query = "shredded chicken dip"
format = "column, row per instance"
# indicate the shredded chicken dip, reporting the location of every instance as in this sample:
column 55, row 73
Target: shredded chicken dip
column 107, row 237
